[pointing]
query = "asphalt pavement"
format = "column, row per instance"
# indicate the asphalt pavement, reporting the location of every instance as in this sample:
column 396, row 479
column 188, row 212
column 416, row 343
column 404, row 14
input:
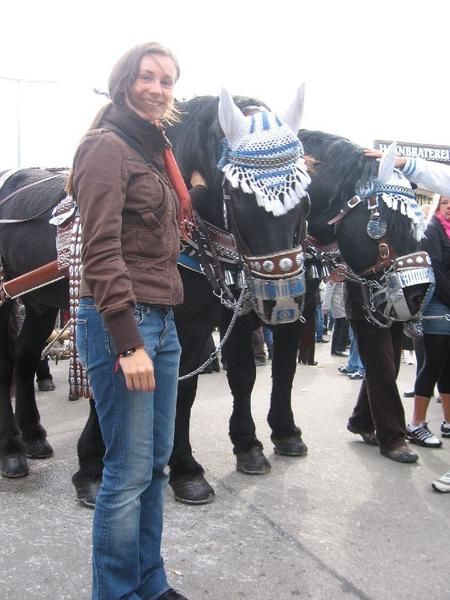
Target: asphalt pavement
column 341, row 523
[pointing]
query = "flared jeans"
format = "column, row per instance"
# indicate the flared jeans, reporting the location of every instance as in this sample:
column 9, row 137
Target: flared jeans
column 137, row 429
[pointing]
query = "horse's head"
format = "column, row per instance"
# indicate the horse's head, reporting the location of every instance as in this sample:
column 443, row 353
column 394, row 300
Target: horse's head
column 265, row 202
column 372, row 212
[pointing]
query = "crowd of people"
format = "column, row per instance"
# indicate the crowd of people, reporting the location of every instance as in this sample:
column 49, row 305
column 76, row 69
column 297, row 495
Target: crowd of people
column 127, row 339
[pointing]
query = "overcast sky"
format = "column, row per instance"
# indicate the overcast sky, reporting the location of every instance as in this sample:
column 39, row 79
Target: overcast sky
column 373, row 69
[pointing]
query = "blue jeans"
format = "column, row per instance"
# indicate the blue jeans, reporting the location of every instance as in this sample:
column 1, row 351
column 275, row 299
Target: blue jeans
column 318, row 319
column 354, row 361
column 137, row 428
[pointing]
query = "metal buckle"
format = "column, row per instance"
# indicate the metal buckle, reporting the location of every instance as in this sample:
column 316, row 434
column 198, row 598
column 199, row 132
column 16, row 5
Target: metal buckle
column 383, row 249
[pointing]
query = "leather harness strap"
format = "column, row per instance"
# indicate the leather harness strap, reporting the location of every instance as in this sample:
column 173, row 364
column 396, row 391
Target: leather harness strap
column 386, row 256
column 344, row 211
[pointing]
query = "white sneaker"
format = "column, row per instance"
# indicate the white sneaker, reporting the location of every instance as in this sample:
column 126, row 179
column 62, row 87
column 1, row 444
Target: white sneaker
column 443, row 483
column 445, row 429
column 421, row 435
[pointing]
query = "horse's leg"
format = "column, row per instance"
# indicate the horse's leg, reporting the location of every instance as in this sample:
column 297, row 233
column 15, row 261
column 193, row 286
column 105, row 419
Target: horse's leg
column 241, row 375
column 195, row 320
column 286, row 436
column 90, row 449
column 29, row 344
column 12, row 456
column 187, row 478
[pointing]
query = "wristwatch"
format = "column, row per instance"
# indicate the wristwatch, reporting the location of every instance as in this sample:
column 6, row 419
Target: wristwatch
column 127, row 353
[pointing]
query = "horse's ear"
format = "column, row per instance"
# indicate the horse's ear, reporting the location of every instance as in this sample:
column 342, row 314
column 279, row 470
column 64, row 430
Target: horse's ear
column 292, row 116
column 231, row 119
column 387, row 163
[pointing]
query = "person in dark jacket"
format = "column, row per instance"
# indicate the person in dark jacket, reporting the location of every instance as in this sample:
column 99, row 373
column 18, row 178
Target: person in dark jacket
column 436, row 338
column 126, row 334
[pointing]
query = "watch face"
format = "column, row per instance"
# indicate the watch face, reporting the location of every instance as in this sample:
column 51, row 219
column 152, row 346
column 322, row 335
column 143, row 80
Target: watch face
column 376, row 228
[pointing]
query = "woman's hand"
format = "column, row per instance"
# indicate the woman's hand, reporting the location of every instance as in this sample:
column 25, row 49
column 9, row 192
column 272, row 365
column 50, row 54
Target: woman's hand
column 197, row 179
column 138, row 371
column 400, row 161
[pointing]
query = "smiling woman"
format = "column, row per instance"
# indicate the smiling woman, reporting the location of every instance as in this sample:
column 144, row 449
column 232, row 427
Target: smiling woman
column 152, row 93
column 126, row 335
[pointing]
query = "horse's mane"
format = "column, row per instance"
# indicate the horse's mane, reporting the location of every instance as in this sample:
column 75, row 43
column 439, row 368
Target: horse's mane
column 198, row 136
column 337, row 165
column 337, row 159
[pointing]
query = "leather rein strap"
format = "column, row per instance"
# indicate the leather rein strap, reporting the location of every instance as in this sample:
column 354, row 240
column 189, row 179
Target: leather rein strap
column 386, row 254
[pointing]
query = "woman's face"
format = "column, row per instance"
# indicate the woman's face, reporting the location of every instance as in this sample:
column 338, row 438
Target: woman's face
column 151, row 94
column 444, row 207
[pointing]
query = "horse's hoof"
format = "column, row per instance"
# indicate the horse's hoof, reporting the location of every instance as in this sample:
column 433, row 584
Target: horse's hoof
column 46, row 385
column 39, row 448
column 192, row 488
column 291, row 445
column 14, row 465
column 87, row 490
column 252, row 462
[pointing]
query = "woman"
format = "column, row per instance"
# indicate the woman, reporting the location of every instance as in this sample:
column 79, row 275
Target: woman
column 436, row 339
column 126, row 335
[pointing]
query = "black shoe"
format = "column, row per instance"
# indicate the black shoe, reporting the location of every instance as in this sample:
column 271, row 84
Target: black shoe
column 252, row 462
column 260, row 362
column 172, row 595
column 402, row 454
column 369, row 437
column 340, row 353
column 46, row 385
column 408, row 394
column 322, row 341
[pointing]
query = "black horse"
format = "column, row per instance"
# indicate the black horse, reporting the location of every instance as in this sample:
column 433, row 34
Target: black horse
column 339, row 170
column 260, row 233
column 25, row 245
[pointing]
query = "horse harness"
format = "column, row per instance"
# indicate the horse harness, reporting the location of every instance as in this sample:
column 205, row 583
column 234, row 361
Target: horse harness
column 383, row 300
column 227, row 262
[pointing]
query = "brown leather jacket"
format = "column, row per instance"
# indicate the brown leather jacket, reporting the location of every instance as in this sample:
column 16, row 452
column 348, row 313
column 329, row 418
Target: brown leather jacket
column 130, row 234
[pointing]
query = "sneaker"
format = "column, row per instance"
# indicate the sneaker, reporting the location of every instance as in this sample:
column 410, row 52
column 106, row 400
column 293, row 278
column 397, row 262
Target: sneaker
column 443, row 483
column 356, row 375
column 445, row 429
column 421, row 435
column 345, row 371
